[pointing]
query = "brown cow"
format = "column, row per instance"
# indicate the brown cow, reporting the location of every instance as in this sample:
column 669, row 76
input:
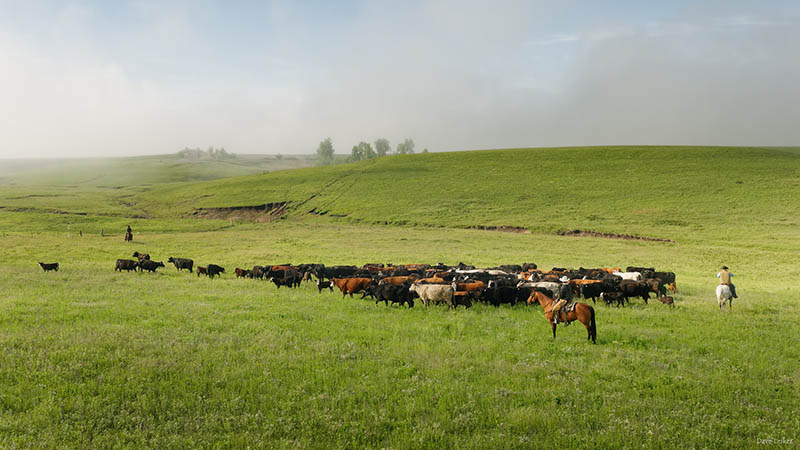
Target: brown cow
column 351, row 285
column 473, row 287
column 202, row 271
column 241, row 273
column 656, row 286
column 397, row 281
column 432, row 280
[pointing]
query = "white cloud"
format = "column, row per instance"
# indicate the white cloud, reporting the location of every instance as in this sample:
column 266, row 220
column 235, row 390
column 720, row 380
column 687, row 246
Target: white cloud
column 450, row 77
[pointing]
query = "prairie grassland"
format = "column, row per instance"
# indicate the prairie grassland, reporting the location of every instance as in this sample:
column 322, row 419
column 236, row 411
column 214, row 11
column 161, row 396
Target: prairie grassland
column 93, row 357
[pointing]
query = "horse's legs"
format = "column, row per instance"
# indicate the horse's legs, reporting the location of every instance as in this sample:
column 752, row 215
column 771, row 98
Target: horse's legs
column 553, row 324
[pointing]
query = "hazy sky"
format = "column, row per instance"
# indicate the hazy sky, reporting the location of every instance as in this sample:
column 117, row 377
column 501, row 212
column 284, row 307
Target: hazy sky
column 108, row 78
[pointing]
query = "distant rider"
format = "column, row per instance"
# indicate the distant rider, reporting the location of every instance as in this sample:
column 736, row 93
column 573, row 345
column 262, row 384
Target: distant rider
column 725, row 279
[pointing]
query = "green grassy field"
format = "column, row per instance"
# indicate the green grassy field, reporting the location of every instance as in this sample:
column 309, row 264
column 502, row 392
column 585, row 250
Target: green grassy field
column 93, row 358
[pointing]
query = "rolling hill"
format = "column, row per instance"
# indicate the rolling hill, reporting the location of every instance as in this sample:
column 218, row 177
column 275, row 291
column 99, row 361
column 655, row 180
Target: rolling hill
column 671, row 193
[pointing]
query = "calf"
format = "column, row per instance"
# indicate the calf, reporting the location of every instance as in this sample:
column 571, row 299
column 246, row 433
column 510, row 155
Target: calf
column 611, row 297
column 181, row 263
column 126, row 264
column 141, row 256
column 47, row 267
column 667, row 301
column 241, row 273
column 202, row 270
column 214, row 269
column 151, row 266
column 324, row 285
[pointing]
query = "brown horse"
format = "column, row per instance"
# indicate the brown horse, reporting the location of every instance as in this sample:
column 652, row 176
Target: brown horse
column 128, row 237
column 582, row 312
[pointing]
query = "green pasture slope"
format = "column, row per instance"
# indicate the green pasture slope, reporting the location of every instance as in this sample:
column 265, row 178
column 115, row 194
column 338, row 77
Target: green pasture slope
column 93, row 358
column 107, row 185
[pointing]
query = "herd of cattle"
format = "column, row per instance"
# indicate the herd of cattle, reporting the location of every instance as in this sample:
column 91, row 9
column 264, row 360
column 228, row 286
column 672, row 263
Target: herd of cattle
column 453, row 285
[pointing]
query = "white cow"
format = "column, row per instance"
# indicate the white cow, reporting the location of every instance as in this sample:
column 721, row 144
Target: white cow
column 437, row 293
column 634, row 276
column 549, row 285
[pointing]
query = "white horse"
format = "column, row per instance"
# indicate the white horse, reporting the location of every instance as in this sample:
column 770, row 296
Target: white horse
column 723, row 294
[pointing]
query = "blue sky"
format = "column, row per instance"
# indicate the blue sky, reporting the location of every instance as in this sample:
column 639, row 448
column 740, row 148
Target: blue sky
column 122, row 78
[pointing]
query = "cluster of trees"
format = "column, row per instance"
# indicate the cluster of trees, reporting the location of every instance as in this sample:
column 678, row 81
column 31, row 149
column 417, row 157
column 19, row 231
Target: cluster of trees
column 365, row 150
column 197, row 154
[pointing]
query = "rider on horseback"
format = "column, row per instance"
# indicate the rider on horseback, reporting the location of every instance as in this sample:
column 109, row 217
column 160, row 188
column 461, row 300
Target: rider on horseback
column 564, row 296
column 725, row 279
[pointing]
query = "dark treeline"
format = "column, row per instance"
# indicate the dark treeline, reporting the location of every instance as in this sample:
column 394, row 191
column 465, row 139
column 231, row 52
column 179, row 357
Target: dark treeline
column 364, row 150
column 197, row 154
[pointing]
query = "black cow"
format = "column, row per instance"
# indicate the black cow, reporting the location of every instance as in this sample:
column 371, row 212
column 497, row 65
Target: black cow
column 593, row 291
column 611, row 297
column 324, row 285
column 647, row 272
column 656, row 286
column 631, row 288
column 665, row 277
column 323, row 272
column 151, row 266
column 394, row 293
column 181, row 263
column 497, row 295
column 335, row 272
column 283, row 282
column 214, row 269
column 126, row 264
column 257, row 272
column 141, row 256
column 49, row 266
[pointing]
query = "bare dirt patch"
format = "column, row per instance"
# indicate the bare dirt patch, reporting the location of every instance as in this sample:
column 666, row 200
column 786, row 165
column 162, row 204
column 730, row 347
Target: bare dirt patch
column 267, row 212
column 627, row 237
column 502, row 228
column 43, row 210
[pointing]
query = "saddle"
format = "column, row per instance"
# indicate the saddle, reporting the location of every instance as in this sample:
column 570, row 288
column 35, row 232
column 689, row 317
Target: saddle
column 566, row 307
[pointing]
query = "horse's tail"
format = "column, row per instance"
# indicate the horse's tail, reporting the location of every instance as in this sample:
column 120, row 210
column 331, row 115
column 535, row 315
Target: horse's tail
column 592, row 325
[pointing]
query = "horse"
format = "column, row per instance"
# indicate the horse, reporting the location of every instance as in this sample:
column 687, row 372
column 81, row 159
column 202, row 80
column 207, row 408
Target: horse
column 582, row 312
column 723, row 294
column 128, row 237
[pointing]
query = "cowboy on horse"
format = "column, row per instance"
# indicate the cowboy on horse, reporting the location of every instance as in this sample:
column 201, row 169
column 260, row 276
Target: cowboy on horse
column 564, row 296
column 581, row 311
column 128, row 234
column 725, row 280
